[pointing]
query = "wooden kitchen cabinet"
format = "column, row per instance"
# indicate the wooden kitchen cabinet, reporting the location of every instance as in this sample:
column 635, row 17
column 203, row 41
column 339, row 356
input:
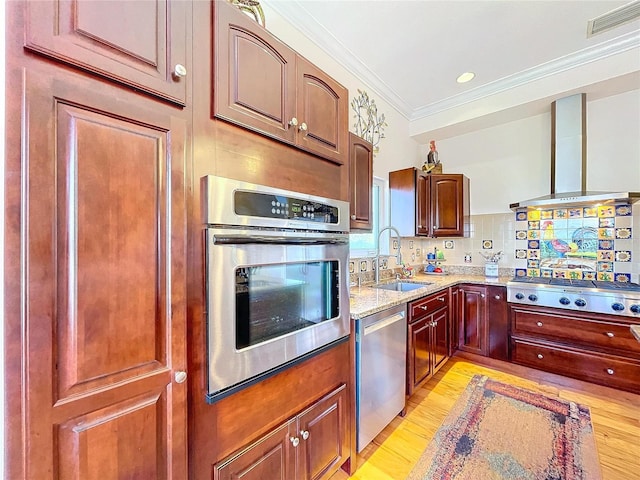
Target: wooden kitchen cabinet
column 434, row 205
column 142, row 44
column 262, row 84
column 95, row 238
column 593, row 347
column 428, row 338
column 360, row 183
column 454, row 316
column 483, row 326
column 310, row 446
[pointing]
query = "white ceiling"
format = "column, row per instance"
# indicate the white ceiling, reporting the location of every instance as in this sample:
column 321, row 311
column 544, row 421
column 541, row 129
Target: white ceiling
column 411, row 52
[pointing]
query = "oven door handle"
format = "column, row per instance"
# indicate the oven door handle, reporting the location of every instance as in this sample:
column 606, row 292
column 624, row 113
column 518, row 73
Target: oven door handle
column 276, row 240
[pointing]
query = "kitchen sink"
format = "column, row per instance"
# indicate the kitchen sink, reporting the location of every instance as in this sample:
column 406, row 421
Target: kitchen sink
column 400, row 286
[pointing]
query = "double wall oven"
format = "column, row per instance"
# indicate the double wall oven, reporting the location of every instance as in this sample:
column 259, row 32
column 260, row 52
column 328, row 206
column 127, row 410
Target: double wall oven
column 276, row 279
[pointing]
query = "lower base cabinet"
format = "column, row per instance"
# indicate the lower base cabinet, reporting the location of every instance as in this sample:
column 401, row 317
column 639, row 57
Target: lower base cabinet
column 428, row 338
column 310, row 446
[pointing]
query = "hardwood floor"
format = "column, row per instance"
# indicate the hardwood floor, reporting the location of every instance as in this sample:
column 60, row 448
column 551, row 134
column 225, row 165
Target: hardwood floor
column 615, row 416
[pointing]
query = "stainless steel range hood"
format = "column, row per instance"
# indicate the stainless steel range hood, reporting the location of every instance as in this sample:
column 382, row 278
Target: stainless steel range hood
column 569, row 160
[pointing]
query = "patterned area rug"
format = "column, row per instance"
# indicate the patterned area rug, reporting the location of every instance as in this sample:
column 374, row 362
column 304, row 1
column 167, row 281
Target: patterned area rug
column 498, row 431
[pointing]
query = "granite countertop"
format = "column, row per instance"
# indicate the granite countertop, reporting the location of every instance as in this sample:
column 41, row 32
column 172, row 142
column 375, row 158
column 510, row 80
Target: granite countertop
column 366, row 300
column 635, row 330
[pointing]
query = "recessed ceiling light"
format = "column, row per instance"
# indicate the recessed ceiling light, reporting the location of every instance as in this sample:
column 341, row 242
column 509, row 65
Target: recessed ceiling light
column 465, row 77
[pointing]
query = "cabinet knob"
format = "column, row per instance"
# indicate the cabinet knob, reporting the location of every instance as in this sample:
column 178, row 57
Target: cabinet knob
column 610, row 334
column 353, row 217
column 497, row 297
column 305, row 434
column 303, row 127
column 180, row 376
column 295, row 441
column 435, row 227
column 482, row 295
column 419, row 226
column 610, row 371
column 539, row 324
column 180, row 70
column 293, row 122
column 540, row 356
column 423, row 307
column 441, row 299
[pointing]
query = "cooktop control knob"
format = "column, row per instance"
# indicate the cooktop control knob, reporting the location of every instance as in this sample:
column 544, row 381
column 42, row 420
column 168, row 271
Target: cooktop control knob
column 533, row 297
column 618, row 307
column 565, row 301
column 580, row 302
column 635, row 308
column 519, row 296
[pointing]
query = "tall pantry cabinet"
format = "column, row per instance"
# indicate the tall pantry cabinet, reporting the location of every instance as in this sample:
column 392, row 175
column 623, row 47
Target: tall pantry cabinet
column 95, row 272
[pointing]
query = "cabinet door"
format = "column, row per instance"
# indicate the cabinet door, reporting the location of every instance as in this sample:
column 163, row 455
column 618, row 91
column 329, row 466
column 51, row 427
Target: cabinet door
column 322, row 109
column 323, row 437
column 254, row 75
column 138, row 43
column 272, row 457
column 472, row 319
column 104, row 264
column 360, row 183
column 440, row 338
column 497, row 323
column 422, row 204
column 419, row 352
column 447, row 201
column 454, row 319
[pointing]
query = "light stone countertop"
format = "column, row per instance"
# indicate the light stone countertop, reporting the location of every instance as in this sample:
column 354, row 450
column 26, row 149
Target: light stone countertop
column 366, row 300
column 635, row 330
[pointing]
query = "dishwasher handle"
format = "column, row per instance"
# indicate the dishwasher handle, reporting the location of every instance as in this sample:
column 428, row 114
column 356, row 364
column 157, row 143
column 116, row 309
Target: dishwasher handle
column 385, row 322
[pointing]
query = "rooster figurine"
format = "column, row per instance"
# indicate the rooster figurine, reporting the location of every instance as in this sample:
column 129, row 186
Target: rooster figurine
column 555, row 244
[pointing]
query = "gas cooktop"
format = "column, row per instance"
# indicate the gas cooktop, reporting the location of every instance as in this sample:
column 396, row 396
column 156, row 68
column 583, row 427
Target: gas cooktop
column 567, row 282
column 614, row 298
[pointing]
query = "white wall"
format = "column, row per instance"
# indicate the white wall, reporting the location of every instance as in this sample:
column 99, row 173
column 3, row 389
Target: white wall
column 397, row 149
column 511, row 162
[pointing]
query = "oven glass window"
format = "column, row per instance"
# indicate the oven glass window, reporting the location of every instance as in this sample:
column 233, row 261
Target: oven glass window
column 273, row 300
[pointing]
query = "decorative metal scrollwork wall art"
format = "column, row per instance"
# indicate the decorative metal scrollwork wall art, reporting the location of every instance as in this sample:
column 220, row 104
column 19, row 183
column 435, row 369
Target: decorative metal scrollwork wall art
column 252, row 8
column 368, row 124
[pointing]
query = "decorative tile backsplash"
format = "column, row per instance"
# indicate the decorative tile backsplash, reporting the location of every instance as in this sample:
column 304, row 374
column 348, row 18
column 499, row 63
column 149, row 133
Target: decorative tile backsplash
column 591, row 243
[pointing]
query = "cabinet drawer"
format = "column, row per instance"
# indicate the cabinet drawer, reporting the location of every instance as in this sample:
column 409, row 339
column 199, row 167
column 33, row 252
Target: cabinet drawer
column 428, row 305
column 609, row 370
column 591, row 332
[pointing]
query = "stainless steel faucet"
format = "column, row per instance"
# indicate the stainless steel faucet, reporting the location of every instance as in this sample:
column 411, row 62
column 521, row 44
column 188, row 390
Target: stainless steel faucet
column 398, row 256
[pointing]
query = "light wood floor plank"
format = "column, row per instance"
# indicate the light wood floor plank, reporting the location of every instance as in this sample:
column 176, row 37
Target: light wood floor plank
column 615, row 417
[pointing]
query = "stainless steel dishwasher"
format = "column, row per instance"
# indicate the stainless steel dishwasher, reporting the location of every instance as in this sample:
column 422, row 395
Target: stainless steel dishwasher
column 381, row 362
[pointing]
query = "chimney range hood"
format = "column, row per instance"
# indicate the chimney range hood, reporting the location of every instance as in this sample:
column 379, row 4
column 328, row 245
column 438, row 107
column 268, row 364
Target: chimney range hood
column 569, row 160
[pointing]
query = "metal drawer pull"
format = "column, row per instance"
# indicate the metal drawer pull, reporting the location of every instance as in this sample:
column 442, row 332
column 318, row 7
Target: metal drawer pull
column 294, row 441
column 305, row 434
column 610, row 371
column 540, row 356
column 441, row 299
column 610, row 334
column 539, row 324
column 423, row 307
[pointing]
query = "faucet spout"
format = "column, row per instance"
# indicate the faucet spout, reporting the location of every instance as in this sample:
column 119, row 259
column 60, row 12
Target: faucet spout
column 398, row 255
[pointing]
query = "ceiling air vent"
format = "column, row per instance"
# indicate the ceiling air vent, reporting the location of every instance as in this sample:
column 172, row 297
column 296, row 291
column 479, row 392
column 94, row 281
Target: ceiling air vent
column 613, row 18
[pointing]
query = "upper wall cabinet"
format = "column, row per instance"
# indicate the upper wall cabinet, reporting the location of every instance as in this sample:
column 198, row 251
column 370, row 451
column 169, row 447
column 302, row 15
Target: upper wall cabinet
column 145, row 45
column 360, row 183
column 262, row 84
column 435, row 205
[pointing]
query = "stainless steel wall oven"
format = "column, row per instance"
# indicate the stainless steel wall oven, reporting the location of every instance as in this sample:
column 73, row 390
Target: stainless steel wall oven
column 276, row 278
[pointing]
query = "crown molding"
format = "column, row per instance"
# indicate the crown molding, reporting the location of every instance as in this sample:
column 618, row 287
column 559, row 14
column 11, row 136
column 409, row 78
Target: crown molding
column 597, row 52
column 298, row 16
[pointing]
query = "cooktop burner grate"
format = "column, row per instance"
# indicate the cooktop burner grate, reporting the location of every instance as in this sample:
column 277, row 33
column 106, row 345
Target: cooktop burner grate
column 567, row 282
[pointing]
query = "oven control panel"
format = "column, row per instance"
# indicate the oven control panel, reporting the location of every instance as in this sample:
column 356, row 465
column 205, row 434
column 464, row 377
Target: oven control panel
column 266, row 205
